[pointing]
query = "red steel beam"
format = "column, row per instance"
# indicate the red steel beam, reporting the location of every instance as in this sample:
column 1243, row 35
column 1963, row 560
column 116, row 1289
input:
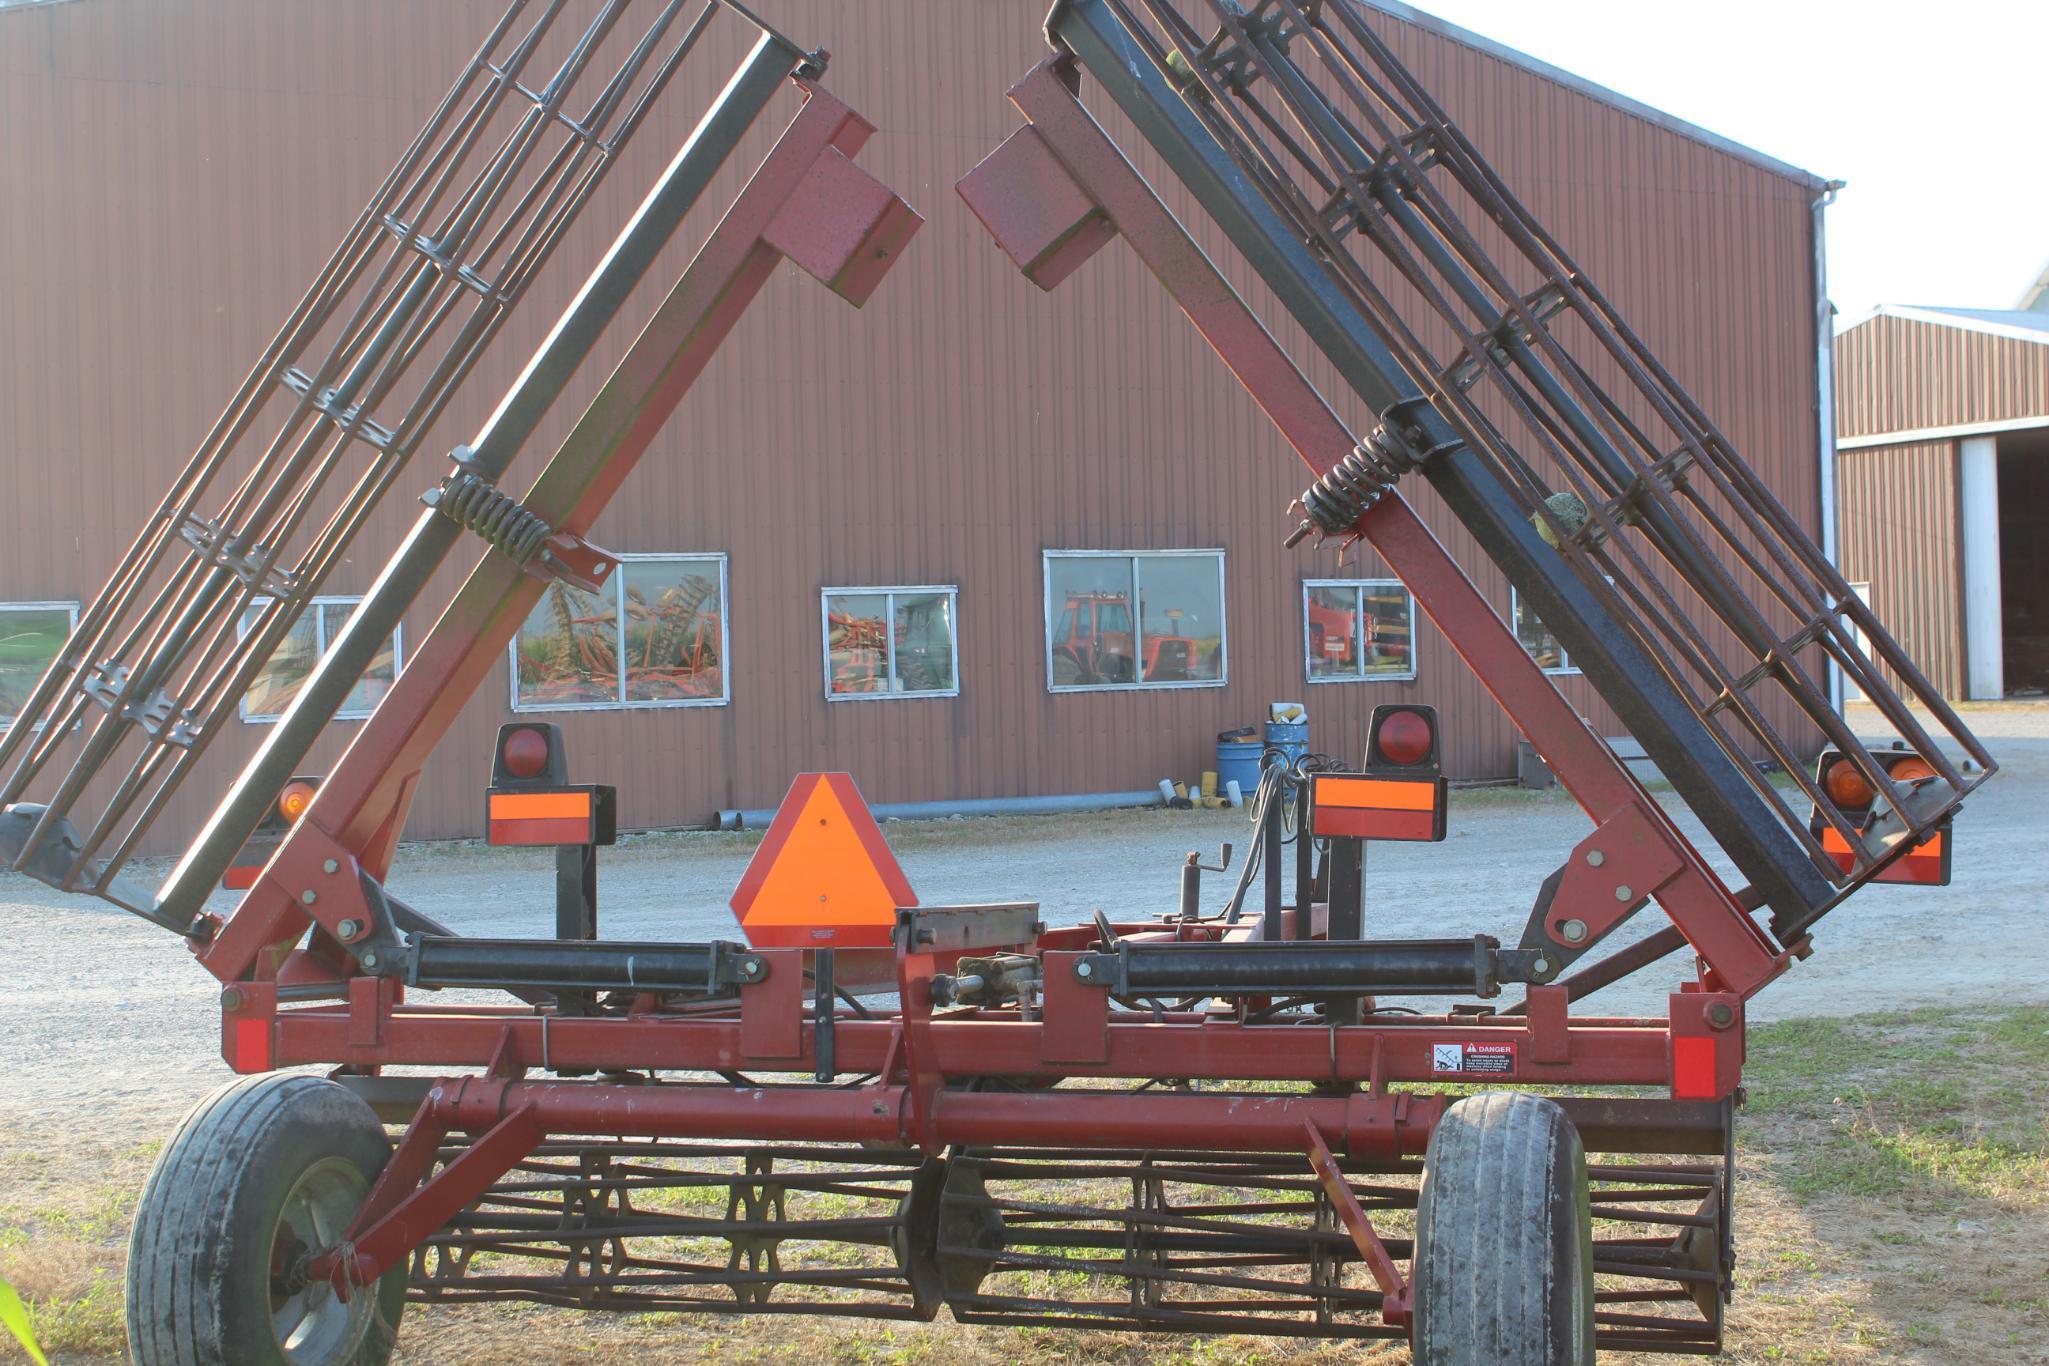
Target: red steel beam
column 1617, row 1052
column 1018, row 195
column 807, row 202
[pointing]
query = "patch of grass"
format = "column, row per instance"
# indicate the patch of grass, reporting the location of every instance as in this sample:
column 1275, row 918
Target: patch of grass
column 1932, row 1104
column 91, row 1322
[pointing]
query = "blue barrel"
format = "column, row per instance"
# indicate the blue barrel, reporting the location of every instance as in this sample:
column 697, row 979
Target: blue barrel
column 1238, row 761
column 1291, row 738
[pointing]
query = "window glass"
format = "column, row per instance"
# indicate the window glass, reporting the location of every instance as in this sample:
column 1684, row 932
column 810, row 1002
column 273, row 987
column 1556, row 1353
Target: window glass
column 31, row 638
column 1174, row 636
column 1387, row 621
column 1537, row 638
column 278, row 681
column 655, row 636
column 1181, row 618
column 1333, row 630
column 672, row 637
column 895, row 642
column 1354, row 629
column 1093, row 595
column 857, row 642
column 568, row 650
column 378, row 678
column 924, row 642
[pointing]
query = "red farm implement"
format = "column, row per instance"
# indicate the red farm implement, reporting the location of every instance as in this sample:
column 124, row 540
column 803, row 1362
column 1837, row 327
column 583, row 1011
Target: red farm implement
column 1201, row 1123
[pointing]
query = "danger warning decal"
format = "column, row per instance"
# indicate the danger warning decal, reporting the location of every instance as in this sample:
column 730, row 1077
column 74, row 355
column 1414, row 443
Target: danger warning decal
column 1472, row 1059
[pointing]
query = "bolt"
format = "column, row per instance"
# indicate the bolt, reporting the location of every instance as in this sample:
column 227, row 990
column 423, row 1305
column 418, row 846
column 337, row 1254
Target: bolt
column 348, row 929
column 368, row 958
column 751, row 967
column 329, row 866
column 1721, row 1015
column 1573, row 931
column 1084, row 970
column 231, row 998
column 309, row 896
column 1542, row 967
column 1595, row 858
column 1623, row 894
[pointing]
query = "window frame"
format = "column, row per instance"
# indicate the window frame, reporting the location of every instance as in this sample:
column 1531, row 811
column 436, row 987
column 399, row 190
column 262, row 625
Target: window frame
column 1223, row 678
column 889, row 595
column 618, row 588
column 70, row 609
column 1565, row 668
column 1358, row 587
column 320, row 645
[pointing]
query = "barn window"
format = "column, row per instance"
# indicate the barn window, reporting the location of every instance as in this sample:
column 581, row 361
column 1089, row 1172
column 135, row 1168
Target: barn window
column 1536, row 637
column 890, row 642
column 1172, row 638
column 655, row 636
column 32, row 634
column 1358, row 630
column 291, row 663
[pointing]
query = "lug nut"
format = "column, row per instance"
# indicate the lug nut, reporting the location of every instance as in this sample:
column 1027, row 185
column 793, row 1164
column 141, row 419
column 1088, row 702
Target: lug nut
column 1573, row 931
column 348, row 929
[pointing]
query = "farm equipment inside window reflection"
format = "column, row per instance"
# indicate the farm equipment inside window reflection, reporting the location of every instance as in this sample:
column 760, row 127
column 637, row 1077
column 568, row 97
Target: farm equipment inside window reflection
column 1093, row 645
column 671, row 636
column 890, row 642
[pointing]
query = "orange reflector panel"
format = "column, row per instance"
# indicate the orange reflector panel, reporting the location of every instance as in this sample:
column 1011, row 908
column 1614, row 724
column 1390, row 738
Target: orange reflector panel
column 1927, row 864
column 560, row 816
column 823, row 878
column 1351, row 806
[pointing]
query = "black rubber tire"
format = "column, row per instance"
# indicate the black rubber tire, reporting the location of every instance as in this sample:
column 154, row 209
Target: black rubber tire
column 1504, row 1264
column 199, row 1259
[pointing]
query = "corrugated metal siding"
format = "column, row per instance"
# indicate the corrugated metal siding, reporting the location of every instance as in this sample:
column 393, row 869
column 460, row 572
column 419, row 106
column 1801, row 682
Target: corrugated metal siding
column 175, row 170
column 1905, row 375
column 1900, row 534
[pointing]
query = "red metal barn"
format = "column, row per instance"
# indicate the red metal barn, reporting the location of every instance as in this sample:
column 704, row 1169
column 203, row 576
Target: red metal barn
column 174, row 170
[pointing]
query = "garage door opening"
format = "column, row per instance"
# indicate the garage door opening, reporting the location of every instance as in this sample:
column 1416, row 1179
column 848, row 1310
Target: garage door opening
column 2024, row 561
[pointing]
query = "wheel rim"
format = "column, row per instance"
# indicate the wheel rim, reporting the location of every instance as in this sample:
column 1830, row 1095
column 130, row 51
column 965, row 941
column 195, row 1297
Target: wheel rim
column 311, row 1322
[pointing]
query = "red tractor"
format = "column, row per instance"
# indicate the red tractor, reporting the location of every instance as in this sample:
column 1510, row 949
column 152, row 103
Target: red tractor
column 1092, row 645
column 1331, row 635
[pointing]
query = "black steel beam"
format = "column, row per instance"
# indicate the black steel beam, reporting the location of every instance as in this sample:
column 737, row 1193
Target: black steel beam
column 1395, row 967
column 569, row 965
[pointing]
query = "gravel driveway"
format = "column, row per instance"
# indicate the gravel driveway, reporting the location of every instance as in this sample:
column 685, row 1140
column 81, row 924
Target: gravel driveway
column 106, row 1008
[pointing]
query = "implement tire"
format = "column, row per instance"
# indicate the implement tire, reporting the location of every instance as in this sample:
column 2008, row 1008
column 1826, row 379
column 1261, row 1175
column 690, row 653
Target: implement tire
column 263, row 1173
column 1504, row 1263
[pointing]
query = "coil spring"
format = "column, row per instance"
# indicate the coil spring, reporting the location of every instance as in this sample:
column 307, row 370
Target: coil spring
column 475, row 504
column 1337, row 500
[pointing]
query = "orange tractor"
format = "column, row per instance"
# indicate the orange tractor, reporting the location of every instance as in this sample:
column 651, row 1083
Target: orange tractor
column 1093, row 644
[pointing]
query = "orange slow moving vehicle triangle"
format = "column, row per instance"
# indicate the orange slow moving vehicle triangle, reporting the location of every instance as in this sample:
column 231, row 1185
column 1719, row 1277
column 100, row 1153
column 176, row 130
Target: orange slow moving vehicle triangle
column 823, row 878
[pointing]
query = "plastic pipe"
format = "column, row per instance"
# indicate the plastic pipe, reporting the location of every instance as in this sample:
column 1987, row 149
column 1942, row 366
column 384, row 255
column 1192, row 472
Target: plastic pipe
column 1061, row 804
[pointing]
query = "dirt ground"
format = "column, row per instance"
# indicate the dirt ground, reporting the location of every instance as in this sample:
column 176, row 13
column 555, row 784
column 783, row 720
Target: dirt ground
column 1940, row 1266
